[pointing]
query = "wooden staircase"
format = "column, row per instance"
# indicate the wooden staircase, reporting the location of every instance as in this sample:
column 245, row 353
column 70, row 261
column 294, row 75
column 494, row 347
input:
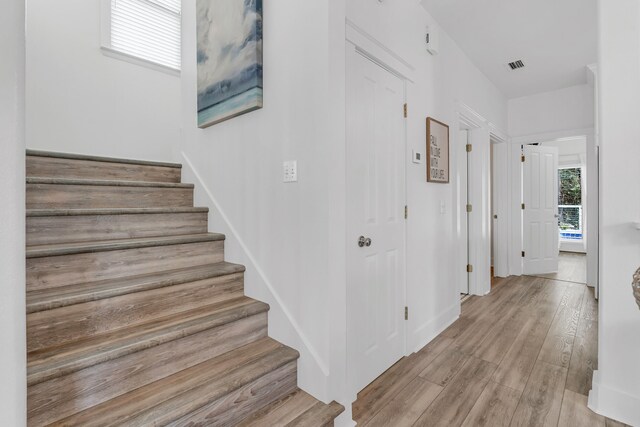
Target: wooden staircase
column 133, row 316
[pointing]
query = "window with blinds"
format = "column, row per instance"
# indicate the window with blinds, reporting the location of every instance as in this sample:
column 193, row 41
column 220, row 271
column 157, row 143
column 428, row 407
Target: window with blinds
column 147, row 29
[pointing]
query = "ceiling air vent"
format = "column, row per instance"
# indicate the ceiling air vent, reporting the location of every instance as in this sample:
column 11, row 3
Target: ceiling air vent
column 516, row 64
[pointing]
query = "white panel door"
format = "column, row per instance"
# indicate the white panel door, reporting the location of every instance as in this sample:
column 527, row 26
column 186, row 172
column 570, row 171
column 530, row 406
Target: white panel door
column 540, row 182
column 375, row 210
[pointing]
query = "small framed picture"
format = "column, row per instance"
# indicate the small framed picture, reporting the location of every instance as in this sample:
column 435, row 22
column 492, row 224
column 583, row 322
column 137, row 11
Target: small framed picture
column 437, row 151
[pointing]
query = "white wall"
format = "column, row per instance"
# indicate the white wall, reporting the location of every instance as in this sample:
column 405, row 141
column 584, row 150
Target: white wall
column 81, row 101
column 440, row 84
column 564, row 109
column 292, row 236
column 13, row 371
column 616, row 385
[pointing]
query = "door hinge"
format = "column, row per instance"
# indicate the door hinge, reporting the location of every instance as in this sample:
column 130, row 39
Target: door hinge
column 469, row 208
column 469, row 268
column 406, row 211
column 522, row 254
column 522, row 158
column 469, row 148
column 405, row 109
column 406, row 313
column 522, row 206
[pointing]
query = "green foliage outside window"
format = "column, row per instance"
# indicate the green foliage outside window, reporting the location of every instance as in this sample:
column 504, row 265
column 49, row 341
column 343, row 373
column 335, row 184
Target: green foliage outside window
column 570, row 187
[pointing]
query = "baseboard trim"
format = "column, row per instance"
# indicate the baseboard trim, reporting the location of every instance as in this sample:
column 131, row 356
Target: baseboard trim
column 426, row 332
column 613, row 403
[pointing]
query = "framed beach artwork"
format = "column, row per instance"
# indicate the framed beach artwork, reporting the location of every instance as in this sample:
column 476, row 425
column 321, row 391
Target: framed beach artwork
column 229, row 55
column 437, row 151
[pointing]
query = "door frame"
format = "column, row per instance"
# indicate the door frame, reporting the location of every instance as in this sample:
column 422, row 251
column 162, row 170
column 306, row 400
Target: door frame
column 593, row 199
column 353, row 47
column 481, row 133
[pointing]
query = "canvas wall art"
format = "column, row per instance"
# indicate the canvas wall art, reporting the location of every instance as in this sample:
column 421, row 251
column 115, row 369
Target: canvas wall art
column 229, row 59
column 437, row 151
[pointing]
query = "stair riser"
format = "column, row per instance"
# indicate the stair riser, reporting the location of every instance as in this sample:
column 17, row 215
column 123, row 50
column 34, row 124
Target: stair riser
column 231, row 409
column 55, row 327
column 51, row 167
column 73, row 196
column 43, row 230
column 50, row 272
column 58, row 398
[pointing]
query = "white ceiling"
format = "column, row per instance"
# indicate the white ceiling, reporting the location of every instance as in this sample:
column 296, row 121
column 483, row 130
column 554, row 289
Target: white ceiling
column 556, row 39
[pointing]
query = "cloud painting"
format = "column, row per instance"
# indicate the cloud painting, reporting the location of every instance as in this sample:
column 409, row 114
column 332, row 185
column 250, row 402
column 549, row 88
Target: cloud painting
column 229, row 59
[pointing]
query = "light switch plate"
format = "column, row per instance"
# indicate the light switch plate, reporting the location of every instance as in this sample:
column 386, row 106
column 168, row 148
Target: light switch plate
column 416, row 156
column 290, row 169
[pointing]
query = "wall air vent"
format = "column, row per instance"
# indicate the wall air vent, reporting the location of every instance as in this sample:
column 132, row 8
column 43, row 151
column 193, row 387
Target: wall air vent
column 516, row 64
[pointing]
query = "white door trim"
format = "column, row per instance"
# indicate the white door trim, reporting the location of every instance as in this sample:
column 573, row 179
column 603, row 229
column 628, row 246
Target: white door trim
column 479, row 136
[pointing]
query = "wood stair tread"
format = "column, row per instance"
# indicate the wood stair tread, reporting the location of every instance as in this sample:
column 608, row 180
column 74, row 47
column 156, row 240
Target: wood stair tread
column 282, row 411
column 114, row 211
column 50, row 298
column 106, row 183
column 319, row 414
column 119, row 244
column 179, row 394
column 73, row 156
column 53, row 362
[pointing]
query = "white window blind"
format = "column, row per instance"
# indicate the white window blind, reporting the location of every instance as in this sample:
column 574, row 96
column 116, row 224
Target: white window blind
column 147, row 29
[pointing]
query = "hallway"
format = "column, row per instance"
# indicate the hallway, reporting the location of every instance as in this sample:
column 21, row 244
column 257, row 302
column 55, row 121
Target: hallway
column 523, row 355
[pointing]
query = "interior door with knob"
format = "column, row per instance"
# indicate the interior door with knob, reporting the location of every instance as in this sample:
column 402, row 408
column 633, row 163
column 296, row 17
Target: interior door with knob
column 540, row 217
column 375, row 190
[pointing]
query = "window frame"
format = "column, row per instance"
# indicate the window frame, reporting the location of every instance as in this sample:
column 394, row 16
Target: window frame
column 107, row 49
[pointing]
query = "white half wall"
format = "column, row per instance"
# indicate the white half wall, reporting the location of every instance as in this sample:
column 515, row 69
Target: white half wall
column 13, row 358
column 81, row 101
column 616, row 385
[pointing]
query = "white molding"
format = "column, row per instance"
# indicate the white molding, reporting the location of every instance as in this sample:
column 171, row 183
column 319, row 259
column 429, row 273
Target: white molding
column 552, row 136
column 613, row 403
column 310, row 349
column 469, row 117
column 375, row 50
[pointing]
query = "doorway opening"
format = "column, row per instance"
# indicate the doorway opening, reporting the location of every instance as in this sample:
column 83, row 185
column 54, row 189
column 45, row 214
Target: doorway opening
column 570, row 196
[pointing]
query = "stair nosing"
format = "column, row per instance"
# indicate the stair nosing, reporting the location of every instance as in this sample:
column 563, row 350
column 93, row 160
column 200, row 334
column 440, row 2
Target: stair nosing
column 105, row 183
column 119, row 244
column 34, row 213
column 73, row 156
column 92, row 295
column 133, row 342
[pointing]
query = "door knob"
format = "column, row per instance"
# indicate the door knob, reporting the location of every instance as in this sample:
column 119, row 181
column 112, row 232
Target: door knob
column 364, row 241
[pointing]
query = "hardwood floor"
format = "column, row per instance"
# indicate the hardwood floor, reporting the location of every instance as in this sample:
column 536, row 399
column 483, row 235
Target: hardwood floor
column 521, row 356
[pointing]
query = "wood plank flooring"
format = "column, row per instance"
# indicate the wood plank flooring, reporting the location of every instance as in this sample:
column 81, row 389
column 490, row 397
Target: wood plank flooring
column 523, row 355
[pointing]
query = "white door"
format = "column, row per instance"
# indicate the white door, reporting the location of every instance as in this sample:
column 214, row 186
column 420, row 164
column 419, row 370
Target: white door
column 375, row 218
column 540, row 217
